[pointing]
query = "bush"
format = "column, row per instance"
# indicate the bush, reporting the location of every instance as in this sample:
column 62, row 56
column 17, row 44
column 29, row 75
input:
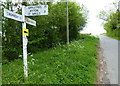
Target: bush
column 49, row 32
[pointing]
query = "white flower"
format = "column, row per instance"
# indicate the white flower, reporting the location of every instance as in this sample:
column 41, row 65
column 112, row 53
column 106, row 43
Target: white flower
column 33, row 59
column 32, row 62
column 81, row 46
column 31, row 55
column 20, row 55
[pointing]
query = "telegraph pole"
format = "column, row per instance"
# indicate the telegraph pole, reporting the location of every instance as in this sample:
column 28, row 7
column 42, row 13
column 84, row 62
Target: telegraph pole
column 67, row 22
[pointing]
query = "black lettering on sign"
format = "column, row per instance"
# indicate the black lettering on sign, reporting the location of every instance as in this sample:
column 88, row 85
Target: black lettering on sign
column 45, row 6
column 44, row 11
column 30, row 7
column 31, row 10
column 35, row 10
column 12, row 15
column 38, row 7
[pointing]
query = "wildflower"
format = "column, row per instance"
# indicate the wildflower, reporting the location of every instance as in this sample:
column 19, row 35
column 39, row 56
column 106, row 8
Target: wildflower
column 81, row 46
column 31, row 55
column 20, row 56
column 32, row 62
column 33, row 59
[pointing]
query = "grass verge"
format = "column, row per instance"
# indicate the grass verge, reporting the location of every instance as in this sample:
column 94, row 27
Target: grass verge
column 65, row 64
column 114, row 37
column 0, row 74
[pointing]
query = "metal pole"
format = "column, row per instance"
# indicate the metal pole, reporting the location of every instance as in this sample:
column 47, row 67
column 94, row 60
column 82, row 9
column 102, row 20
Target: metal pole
column 67, row 22
column 24, row 44
column 119, row 5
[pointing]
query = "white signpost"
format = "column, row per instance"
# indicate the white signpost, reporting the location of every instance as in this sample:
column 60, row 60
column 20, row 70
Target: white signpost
column 30, row 21
column 12, row 15
column 24, row 44
column 18, row 17
column 26, row 11
column 36, row 10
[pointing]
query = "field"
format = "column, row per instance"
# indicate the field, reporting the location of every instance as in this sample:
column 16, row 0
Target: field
column 75, row 63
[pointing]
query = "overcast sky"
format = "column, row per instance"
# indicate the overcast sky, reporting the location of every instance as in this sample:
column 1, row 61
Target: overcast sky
column 94, row 24
column 94, row 7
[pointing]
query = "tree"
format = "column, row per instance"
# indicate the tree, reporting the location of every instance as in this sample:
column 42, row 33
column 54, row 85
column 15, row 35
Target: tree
column 11, row 37
column 112, row 20
column 49, row 32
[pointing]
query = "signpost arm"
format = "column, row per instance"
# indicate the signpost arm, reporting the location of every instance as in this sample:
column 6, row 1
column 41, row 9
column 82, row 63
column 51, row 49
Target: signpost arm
column 24, row 44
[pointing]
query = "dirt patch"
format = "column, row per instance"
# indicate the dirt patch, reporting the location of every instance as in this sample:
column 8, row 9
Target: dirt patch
column 101, row 68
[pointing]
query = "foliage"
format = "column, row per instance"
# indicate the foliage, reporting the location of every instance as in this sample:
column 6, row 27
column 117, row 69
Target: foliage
column 65, row 64
column 49, row 32
column 1, row 74
column 11, row 37
column 112, row 25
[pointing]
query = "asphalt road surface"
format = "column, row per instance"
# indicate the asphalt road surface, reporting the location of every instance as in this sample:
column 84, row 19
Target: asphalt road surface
column 110, row 52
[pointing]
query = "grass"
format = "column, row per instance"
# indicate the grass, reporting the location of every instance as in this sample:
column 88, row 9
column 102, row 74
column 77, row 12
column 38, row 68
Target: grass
column 117, row 38
column 0, row 74
column 65, row 64
column 114, row 37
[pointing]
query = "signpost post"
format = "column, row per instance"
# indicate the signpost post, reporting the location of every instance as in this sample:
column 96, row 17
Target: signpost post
column 25, row 40
column 26, row 11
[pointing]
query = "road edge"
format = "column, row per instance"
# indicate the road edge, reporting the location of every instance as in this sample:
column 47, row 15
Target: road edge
column 101, row 67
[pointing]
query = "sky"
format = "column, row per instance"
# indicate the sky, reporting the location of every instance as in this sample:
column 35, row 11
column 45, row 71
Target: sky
column 94, row 23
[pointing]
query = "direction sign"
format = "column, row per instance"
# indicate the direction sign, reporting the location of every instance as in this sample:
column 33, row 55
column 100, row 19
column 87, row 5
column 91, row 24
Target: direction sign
column 12, row 15
column 36, row 10
column 30, row 21
column 18, row 17
column 26, row 11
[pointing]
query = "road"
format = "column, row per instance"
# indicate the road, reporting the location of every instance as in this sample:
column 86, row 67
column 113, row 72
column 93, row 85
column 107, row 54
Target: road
column 110, row 52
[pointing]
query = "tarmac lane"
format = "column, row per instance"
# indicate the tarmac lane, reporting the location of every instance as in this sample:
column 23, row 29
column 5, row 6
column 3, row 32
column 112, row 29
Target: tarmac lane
column 110, row 52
